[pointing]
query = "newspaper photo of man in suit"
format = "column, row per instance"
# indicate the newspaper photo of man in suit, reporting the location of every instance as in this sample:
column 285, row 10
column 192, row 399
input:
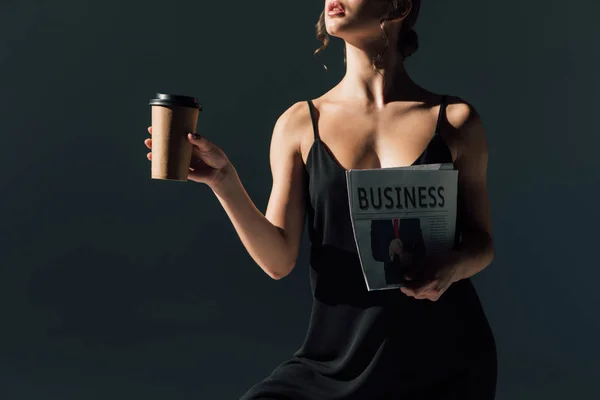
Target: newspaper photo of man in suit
column 398, row 243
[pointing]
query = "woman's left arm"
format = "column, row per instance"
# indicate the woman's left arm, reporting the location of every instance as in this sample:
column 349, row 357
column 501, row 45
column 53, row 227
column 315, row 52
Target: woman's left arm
column 476, row 249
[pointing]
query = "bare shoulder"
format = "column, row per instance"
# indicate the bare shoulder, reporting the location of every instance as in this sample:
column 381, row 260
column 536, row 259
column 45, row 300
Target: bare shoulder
column 293, row 123
column 462, row 115
column 467, row 125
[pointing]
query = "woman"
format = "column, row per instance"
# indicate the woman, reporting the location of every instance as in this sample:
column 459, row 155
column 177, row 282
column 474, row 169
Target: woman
column 429, row 340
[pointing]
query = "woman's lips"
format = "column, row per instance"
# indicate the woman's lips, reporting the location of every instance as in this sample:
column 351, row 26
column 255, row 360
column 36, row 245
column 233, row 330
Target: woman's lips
column 335, row 8
column 336, row 11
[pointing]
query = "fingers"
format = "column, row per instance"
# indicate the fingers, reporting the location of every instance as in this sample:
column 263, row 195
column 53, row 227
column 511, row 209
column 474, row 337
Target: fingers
column 148, row 143
column 208, row 153
column 412, row 293
column 201, row 142
column 431, row 296
column 431, row 291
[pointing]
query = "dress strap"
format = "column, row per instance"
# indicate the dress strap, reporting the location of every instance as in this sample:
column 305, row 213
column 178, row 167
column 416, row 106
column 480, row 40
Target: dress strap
column 442, row 113
column 311, row 108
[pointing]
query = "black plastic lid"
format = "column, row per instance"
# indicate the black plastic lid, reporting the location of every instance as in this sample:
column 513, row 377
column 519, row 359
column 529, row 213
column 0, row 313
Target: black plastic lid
column 169, row 100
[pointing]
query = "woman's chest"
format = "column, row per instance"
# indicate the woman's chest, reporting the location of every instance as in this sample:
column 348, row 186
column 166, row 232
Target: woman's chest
column 363, row 141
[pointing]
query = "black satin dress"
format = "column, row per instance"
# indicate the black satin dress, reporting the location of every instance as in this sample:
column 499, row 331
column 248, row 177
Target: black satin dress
column 382, row 344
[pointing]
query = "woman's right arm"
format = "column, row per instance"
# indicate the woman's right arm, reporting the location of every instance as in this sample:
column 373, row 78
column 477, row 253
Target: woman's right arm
column 273, row 239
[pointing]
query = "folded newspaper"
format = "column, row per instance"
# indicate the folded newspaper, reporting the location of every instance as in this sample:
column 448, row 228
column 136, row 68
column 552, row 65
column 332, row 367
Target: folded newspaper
column 400, row 216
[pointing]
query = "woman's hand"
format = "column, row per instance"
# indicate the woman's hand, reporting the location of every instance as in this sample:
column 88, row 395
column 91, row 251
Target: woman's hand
column 435, row 276
column 209, row 163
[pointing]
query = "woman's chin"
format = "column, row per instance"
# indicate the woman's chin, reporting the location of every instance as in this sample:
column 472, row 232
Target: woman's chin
column 333, row 31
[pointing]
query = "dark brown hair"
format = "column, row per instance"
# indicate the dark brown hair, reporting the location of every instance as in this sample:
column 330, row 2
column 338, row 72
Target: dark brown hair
column 408, row 41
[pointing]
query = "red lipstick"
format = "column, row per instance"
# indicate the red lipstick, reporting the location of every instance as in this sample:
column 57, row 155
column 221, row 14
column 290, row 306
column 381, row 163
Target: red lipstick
column 335, row 8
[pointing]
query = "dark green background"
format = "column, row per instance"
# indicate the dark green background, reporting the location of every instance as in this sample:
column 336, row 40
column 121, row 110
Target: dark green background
column 114, row 286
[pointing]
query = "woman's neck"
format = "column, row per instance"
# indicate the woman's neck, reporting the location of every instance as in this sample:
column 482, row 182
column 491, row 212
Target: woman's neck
column 374, row 86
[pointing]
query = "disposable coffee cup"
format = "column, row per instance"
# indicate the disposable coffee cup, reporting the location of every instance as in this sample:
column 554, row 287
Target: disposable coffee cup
column 173, row 117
